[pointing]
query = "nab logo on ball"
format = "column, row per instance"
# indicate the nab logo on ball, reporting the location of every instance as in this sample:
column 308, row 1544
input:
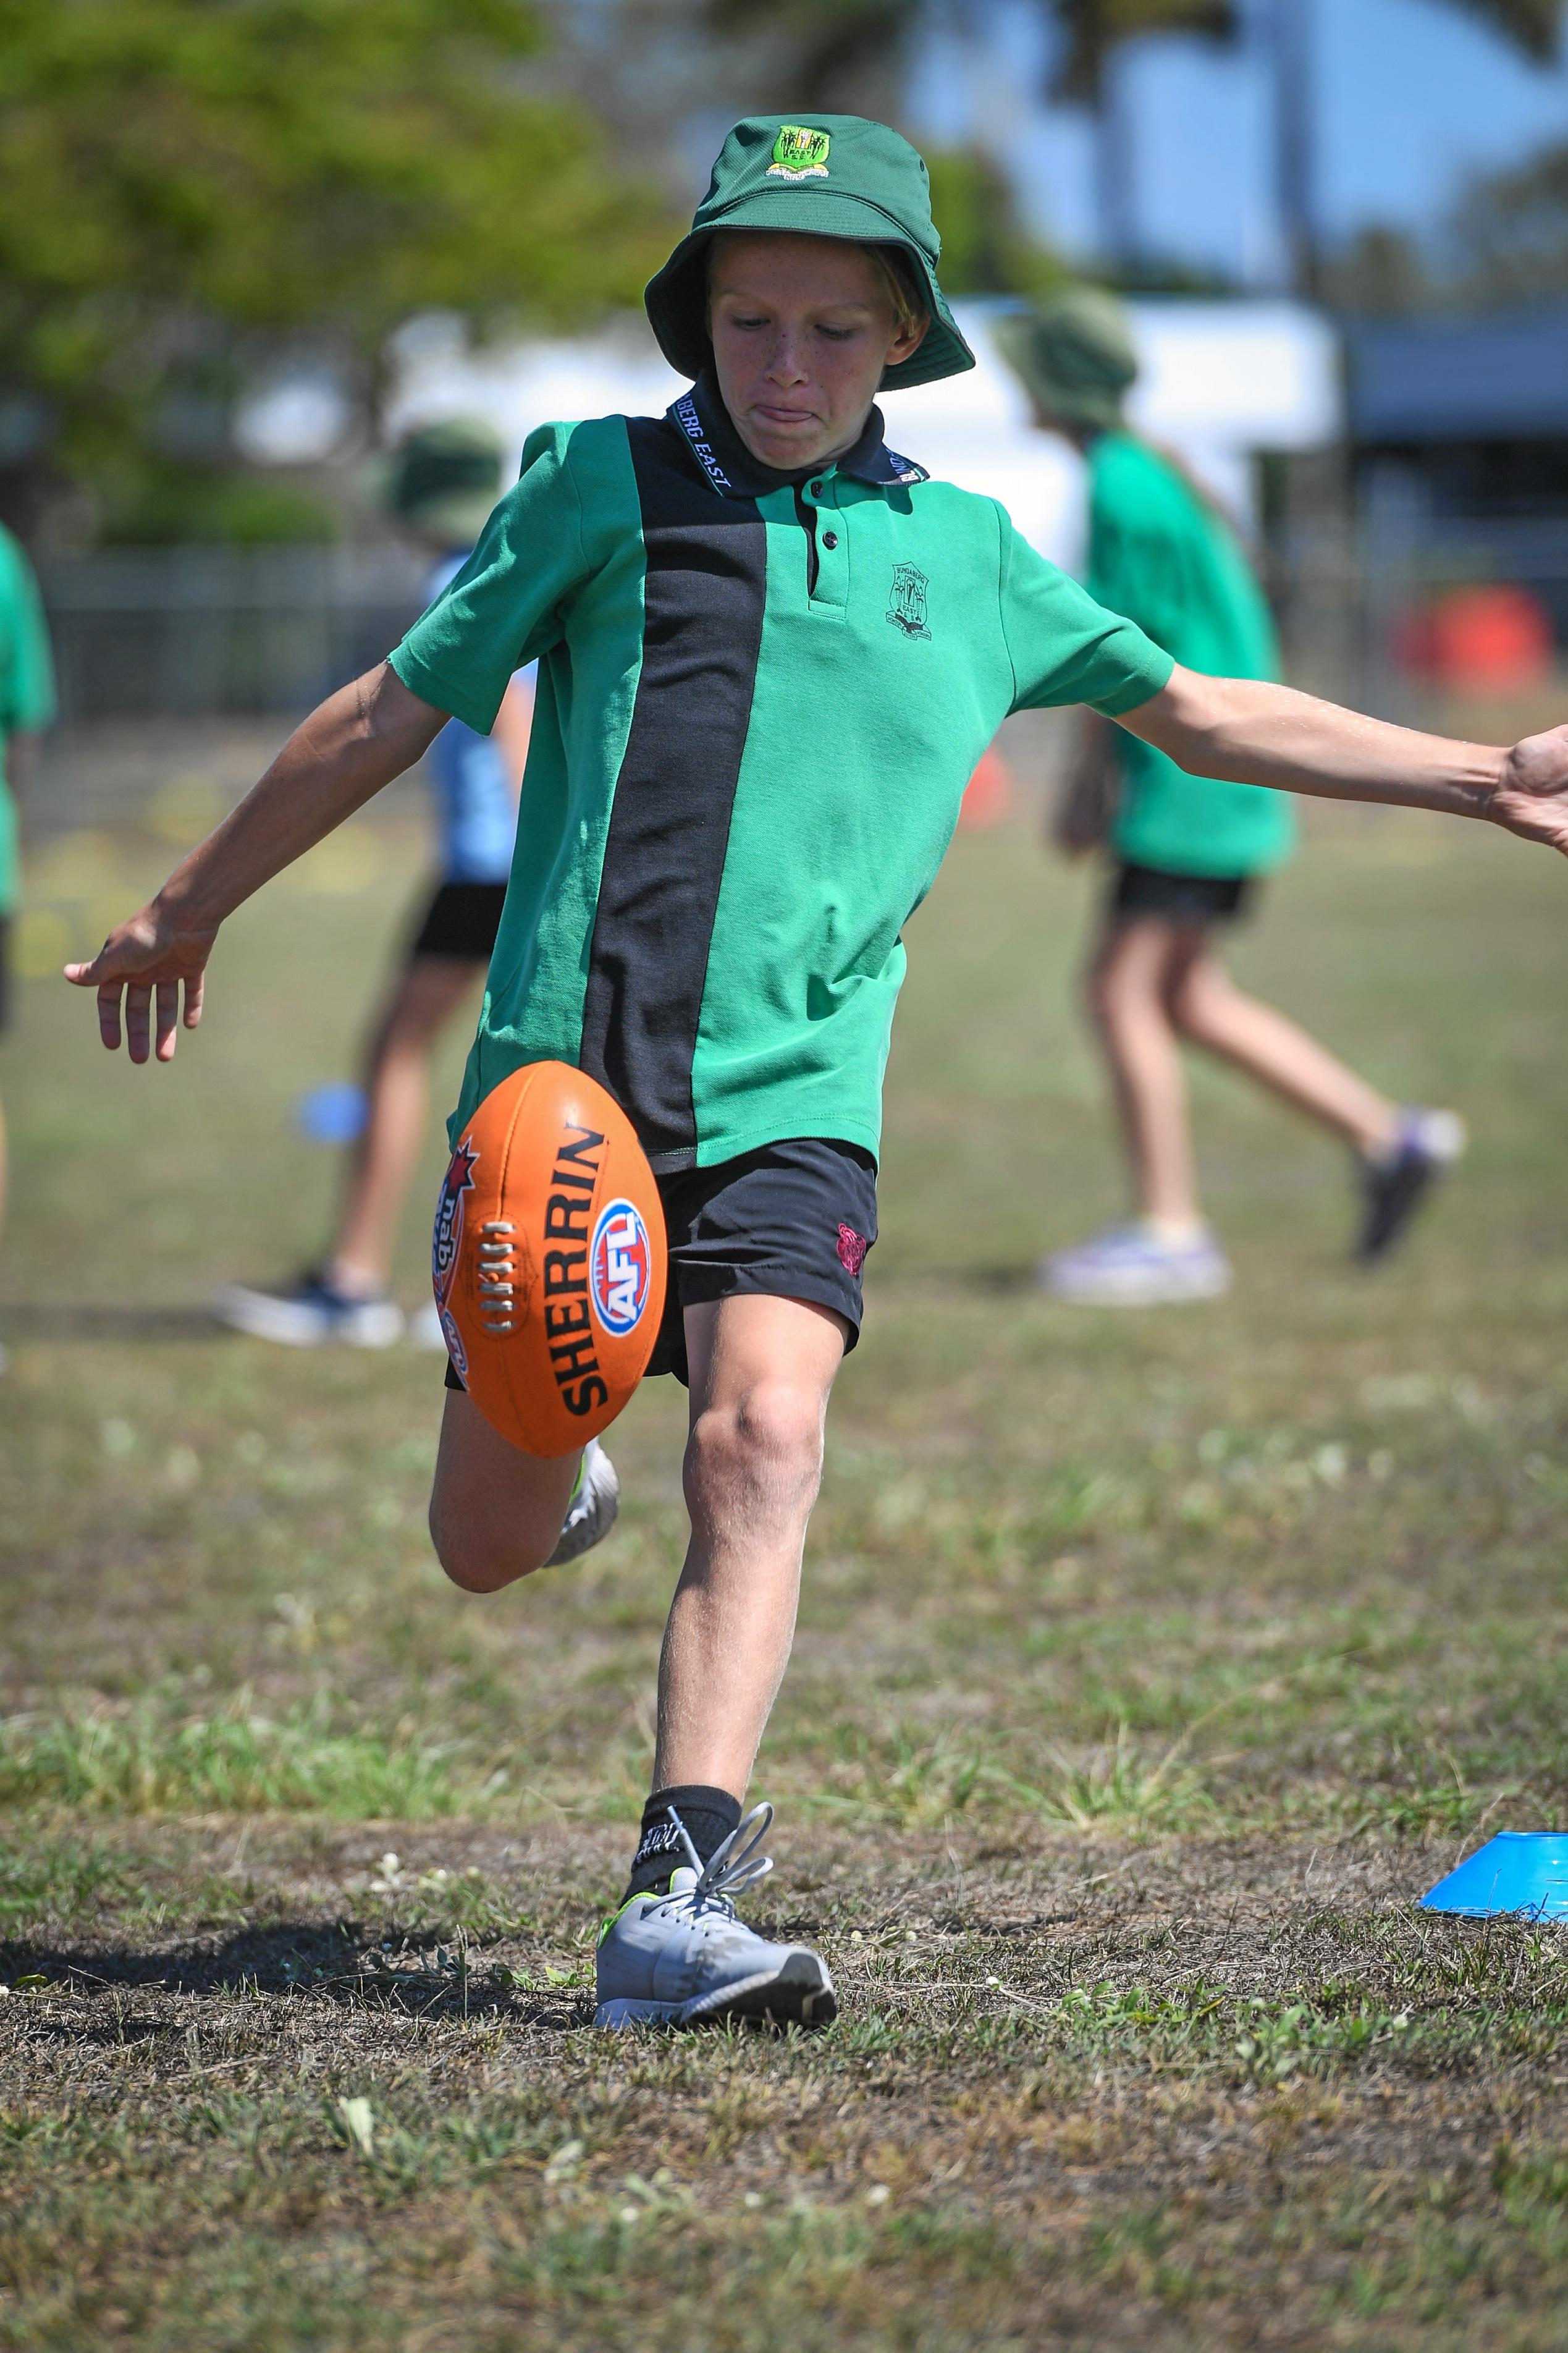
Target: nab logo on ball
column 620, row 1267
column 445, row 1242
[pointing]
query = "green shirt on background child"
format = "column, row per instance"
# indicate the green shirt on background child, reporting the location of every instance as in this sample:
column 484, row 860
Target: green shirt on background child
column 1159, row 553
column 27, row 690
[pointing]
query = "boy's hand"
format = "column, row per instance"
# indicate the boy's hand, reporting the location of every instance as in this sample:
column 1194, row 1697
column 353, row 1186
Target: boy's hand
column 152, row 956
column 1532, row 798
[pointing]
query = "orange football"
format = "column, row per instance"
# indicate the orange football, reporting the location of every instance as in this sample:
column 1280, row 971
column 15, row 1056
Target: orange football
column 548, row 1258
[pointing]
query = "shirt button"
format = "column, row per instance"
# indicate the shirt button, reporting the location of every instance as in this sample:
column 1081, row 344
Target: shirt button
column 830, row 539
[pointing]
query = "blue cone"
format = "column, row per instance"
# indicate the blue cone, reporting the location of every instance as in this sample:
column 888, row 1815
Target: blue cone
column 1518, row 1871
column 335, row 1113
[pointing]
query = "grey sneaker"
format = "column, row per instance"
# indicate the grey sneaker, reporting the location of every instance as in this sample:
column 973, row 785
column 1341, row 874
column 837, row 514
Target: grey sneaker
column 684, row 1959
column 311, row 1315
column 1394, row 1190
column 591, row 1513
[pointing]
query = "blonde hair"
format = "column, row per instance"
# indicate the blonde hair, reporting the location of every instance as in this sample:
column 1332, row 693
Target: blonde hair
column 911, row 311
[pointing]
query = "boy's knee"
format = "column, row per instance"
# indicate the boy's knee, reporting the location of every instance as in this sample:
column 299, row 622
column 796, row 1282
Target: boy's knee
column 768, row 1439
column 481, row 1558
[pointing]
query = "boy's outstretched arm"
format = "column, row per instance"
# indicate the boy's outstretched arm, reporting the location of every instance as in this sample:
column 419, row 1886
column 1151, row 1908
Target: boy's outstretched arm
column 350, row 747
column 1252, row 733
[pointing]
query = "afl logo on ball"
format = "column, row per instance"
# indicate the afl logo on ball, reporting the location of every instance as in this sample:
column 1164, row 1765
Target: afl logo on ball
column 620, row 1267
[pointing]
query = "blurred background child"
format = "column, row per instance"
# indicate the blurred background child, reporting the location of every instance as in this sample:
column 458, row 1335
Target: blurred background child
column 26, row 705
column 1186, row 851
column 445, row 480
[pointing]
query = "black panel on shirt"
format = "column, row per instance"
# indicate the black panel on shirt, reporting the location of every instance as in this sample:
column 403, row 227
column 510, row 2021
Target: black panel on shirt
column 670, row 823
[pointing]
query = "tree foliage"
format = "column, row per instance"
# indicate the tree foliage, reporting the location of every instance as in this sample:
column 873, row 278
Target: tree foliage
column 1090, row 30
column 1509, row 239
column 187, row 185
column 985, row 250
column 1533, row 26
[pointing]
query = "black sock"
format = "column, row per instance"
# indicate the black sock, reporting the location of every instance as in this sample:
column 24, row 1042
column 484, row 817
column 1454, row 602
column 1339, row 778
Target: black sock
column 708, row 1816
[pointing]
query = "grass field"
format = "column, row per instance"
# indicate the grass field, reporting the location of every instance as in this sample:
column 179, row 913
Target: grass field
column 1148, row 1669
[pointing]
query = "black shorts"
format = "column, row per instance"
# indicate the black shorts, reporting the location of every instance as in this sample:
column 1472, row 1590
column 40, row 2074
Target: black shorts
column 794, row 1221
column 461, row 921
column 5, row 972
column 1177, row 898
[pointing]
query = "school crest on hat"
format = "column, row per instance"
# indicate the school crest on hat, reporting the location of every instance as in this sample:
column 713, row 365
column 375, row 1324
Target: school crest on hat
column 800, row 153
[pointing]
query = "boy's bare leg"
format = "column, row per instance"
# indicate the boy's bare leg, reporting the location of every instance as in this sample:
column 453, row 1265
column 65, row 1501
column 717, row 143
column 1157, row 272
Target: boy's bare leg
column 426, row 995
column 761, row 1369
column 495, row 1511
column 1129, row 992
column 1207, row 1007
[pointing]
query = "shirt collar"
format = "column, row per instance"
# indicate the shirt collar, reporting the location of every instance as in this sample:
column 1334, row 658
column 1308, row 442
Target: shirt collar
column 704, row 424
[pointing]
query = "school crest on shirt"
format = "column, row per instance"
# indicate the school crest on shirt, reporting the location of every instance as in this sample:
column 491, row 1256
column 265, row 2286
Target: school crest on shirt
column 800, row 153
column 907, row 600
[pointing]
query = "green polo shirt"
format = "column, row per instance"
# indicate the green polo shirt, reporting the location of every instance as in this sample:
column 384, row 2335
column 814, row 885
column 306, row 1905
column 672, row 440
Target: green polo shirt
column 1159, row 552
column 27, row 689
column 760, row 700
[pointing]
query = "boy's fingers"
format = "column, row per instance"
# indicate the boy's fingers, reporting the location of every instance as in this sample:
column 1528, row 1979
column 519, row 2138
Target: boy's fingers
column 193, row 1000
column 108, row 1009
column 168, row 998
column 137, row 1004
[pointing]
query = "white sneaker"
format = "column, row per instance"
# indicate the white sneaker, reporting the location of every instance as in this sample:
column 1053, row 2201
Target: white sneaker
column 425, row 1330
column 311, row 1315
column 684, row 1959
column 591, row 1513
column 1130, row 1266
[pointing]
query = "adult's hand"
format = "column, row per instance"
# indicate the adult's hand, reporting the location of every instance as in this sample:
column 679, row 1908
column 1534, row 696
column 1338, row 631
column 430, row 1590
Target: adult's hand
column 152, row 959
column 1532, row 796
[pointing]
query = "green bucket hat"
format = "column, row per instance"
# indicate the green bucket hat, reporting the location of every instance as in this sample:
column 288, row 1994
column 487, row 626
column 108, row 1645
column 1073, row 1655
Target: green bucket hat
column 837, row 176
column 1074, row 353
column 444, row 479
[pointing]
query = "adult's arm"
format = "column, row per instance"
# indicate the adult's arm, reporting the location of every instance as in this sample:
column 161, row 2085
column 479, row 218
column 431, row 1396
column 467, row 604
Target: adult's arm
column 1252, row 733
column 335, row 760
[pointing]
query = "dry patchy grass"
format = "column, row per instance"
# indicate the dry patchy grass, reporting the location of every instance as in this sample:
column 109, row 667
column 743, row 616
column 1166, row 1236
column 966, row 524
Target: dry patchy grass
column 1149, row 1668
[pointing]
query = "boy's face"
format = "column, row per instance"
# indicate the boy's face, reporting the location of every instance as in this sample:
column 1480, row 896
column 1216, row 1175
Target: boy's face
column 802, row 329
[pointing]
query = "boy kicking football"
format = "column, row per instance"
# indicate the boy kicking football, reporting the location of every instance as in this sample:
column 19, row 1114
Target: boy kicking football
column 770, row 653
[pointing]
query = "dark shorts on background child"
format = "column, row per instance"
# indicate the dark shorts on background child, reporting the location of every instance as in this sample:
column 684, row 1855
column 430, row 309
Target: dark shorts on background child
column 1138, row 890
column 794, row 1220
column 461, row 921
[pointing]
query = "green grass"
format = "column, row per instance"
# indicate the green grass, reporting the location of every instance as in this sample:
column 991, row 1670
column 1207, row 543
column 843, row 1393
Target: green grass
column 1149, row 1668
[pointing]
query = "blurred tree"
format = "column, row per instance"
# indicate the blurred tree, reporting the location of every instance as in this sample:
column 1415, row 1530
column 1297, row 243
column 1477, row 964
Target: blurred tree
column 188, row 189
column 985, row 250
column 827, row 48
column 823, row 49
column 1382, row 272
column 1534, row 26
column 1508, row 239
column 1091, row 33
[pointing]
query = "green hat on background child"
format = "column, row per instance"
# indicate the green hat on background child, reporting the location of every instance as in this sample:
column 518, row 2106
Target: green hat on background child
column 1075, row 354
column 837, row 176
column 443, row 478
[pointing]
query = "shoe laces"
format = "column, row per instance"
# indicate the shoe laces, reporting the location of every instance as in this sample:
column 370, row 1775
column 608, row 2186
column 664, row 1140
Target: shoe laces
column 732, row 1867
